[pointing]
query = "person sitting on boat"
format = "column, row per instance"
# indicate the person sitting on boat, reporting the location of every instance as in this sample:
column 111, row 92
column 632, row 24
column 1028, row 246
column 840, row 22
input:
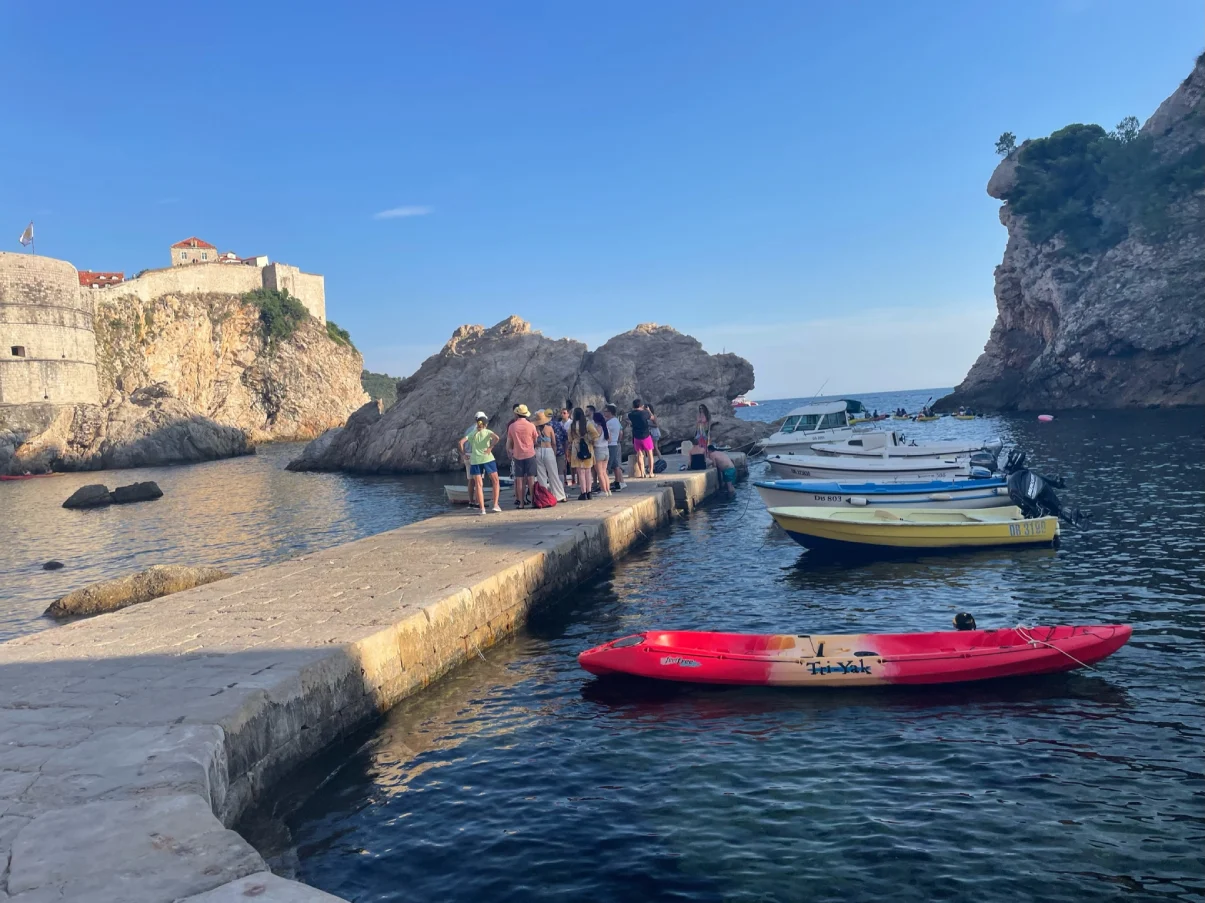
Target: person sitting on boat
column 724, row 467
column 479, row 446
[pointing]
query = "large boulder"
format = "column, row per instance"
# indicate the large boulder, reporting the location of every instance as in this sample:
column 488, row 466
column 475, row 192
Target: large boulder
column 494, row 369
column 137, row 492
column 110, row 595
column 93, row 495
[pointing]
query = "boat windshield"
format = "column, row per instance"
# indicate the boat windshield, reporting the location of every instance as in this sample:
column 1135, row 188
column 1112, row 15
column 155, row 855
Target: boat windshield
column 810, row 422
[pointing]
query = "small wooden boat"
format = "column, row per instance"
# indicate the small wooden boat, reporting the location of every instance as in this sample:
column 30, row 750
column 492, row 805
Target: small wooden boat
column 854, row 660
column 870, row 469
column 459, row 495
column 989, row 493
column 886, row 529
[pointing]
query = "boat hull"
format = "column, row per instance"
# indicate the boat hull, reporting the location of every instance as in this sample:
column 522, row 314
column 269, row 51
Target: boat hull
column 854, row 660
column 854, row 470
column 459, row 495
column 882, row 529
column 937, row 494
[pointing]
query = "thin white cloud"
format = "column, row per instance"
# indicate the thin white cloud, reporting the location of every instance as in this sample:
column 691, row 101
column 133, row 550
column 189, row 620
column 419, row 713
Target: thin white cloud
column 399, row 212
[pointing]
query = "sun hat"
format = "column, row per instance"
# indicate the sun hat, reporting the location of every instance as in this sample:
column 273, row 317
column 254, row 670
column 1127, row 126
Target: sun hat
column 541, row 418
column 480, row 415
column 521, row 410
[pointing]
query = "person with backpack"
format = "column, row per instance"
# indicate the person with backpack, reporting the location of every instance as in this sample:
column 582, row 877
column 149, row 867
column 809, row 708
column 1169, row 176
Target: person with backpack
column 582, row 436
column 546, row 466
column 601, row 452
column 642, row 440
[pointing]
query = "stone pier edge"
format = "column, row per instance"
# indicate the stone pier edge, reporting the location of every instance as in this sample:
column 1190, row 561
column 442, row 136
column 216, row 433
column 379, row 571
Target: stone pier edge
column 232, row 757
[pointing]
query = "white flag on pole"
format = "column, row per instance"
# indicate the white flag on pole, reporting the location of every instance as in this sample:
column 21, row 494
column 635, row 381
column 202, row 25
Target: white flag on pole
column 27, row 235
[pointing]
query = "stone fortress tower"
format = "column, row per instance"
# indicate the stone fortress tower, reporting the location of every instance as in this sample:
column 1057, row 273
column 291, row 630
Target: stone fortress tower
column 47, row 342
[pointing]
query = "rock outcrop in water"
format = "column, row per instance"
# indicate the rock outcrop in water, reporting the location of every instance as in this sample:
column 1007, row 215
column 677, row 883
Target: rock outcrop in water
column 1101, row 305
column 187, row 378
column 110, row 595
column 494, row 369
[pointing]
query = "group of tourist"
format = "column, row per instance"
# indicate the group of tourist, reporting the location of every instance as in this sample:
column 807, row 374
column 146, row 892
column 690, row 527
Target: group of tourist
column 575, row 447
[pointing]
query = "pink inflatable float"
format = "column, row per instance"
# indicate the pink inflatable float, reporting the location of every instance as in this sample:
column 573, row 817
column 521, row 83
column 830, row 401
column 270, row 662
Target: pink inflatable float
column 1045, row 418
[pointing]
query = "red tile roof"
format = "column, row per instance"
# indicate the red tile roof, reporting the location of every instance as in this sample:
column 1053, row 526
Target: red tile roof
column 194, row 242
column 88, row 277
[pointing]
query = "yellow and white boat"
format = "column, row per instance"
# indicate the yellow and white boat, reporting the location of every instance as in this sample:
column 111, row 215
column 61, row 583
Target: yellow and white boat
column 899, row 529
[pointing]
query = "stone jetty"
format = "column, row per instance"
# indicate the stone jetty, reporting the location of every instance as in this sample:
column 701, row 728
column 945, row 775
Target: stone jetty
column 131, row 742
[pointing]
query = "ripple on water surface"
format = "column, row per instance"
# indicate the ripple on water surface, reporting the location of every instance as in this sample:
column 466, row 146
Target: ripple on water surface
column 521, row 778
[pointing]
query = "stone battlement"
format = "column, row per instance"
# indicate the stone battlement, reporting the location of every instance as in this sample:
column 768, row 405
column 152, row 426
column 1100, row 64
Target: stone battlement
column 217, row 278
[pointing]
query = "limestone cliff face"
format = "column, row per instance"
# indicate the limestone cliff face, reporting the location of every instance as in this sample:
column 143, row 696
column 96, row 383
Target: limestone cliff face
column 187, row 378
column 496, row 368
column 209, row 352
column 1122, row 327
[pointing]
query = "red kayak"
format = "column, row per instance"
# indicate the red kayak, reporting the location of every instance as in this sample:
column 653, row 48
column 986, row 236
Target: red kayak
column 856, row 659
column 27, row 476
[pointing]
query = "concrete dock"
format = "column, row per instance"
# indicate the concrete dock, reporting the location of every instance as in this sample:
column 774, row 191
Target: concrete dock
column 130, row 742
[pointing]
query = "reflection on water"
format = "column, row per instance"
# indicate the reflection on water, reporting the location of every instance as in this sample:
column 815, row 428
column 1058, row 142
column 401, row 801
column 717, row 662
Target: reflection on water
column 522, row 778
column 237, row 514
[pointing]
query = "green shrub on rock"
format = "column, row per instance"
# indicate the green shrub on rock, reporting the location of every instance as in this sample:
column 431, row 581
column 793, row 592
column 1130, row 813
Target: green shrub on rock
column 279, row 313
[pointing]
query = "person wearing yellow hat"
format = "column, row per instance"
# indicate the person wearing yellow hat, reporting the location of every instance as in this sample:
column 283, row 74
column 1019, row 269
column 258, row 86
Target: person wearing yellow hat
column 547, row 472
column 521, row 438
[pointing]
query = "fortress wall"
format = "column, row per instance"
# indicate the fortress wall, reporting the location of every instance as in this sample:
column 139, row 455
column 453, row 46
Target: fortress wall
column 47, row 321
column 219, row 279
column 308, row 288
column 200, row 278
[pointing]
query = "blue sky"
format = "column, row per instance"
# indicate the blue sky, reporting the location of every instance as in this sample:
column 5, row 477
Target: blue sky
column 801, row 183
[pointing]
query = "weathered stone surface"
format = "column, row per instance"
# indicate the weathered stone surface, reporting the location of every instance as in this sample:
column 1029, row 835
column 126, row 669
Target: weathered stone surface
column 137, row 492
column 263, row 887
column 110, row 595
column 126, row 742
column 149, row 850
column 1125, row 327
column 494, row 369
column 93, row 495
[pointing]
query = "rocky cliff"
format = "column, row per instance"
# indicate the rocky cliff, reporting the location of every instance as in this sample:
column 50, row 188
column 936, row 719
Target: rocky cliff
column 494, row 369
column 187, row 378
column 210, row 352
column 1101, row 292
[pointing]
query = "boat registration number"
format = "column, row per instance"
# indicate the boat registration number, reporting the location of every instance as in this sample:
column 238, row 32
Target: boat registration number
column 826, row 498
column 1027, row 528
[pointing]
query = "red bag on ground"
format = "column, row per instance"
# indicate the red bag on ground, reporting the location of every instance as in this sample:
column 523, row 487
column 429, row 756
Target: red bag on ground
column 542, row 497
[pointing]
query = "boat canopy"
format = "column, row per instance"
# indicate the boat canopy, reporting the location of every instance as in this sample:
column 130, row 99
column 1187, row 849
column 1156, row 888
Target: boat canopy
column 825, row 415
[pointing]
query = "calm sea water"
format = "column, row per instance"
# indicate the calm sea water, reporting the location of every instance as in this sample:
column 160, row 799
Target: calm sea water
column 237, row 514
column 520, row 777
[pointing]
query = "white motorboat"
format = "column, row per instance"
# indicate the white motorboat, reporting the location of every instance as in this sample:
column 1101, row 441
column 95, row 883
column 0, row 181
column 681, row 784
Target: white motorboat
column 459, row 495
column 872, row 470
column 892, row 444
column 989, row 493
column 826, row 421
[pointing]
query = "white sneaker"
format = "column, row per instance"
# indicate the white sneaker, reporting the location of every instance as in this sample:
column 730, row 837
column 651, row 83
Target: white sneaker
column 495, row 509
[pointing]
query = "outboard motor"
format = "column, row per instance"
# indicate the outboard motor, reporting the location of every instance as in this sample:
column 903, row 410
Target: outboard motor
column 985, row 460
column 1034, row 493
